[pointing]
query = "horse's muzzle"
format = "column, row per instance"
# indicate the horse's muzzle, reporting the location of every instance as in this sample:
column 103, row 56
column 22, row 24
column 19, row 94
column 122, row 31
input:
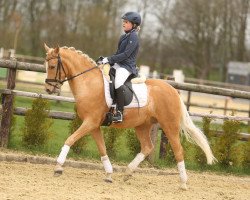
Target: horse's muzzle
column 48, row 91
column 51, row 89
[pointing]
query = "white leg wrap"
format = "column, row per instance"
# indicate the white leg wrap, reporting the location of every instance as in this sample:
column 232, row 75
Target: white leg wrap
column 182, row 171
column 64, row 152
column 137, row 160
column 107, row 164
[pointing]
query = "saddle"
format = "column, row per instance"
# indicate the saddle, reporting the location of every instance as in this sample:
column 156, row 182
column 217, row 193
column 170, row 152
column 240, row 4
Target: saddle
column 129, row 92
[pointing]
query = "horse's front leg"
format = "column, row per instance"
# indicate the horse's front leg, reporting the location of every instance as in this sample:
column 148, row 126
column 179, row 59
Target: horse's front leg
column 85, row 128
column 98, row 137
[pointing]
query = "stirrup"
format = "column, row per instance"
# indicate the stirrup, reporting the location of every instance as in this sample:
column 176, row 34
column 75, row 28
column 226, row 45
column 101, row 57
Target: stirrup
column 118, row 117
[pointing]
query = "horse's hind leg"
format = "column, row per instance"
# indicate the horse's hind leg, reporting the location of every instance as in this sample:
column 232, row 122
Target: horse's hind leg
column 143, row 134
column 98, row 137
column 171, row 130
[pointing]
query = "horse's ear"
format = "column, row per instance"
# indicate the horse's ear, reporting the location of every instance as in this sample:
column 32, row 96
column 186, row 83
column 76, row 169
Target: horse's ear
column 56, row 50
column 46, row 47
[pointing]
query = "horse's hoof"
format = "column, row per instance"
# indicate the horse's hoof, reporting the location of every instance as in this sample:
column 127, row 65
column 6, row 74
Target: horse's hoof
column 108, row 180
column 58, row 170
column 127, row 177
column 58, row 173
column 128, row 174
column 183, row 186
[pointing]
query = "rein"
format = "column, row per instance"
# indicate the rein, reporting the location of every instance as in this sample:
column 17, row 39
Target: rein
column 59, row 69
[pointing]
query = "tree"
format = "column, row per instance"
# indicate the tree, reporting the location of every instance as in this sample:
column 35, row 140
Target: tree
column 209, row 32
column 195, row 35
column 7, row 8
column 232, row 36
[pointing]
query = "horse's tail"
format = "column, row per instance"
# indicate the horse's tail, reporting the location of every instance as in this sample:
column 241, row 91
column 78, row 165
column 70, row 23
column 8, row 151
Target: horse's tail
column 194, row 134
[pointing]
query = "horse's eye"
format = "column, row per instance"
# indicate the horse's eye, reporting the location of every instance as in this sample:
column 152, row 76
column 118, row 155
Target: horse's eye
column 52, row 66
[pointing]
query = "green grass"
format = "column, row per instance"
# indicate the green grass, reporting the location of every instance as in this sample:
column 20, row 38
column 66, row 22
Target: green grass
column 3, row 72
column 60, row 128
column 60, row 131
column 57, row 139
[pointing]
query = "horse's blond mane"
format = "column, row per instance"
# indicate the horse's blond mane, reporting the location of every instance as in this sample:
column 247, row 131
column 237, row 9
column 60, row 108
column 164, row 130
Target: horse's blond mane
column 80, row 53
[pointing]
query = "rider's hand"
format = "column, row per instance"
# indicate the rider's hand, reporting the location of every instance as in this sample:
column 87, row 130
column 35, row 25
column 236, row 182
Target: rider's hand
column 99, row 60
column 105, row 60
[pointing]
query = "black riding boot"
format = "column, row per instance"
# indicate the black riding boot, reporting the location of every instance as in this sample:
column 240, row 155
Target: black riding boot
column 120, row 98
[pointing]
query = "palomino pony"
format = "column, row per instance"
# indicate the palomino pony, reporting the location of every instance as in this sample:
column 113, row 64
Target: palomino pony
column 164, row 106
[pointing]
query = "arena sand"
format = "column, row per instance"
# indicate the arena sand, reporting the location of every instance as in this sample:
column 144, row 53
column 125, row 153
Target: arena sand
column 20, row 181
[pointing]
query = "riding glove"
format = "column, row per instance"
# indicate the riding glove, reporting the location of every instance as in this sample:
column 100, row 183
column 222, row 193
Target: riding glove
column 105, row 60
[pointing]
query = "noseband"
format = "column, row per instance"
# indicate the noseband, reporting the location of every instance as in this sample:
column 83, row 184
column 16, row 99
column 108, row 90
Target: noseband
column 59, row 69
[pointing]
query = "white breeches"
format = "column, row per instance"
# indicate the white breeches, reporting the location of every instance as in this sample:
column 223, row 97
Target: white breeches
column 121, row 75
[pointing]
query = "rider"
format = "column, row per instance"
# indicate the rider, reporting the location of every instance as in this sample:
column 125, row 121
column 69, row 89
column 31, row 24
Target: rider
column 124, row 60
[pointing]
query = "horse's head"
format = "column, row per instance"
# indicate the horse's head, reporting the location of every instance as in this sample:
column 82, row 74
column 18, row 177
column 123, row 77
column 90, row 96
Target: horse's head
column 55, row 71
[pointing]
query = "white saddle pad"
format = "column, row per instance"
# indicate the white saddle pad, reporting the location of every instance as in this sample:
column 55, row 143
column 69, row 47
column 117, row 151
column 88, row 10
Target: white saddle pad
column 141, row 92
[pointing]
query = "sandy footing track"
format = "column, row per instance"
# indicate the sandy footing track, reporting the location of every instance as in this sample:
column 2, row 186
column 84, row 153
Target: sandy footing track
column 20, row 180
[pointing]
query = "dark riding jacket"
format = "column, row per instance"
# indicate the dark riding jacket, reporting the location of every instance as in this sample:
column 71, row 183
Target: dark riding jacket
column 127, row 51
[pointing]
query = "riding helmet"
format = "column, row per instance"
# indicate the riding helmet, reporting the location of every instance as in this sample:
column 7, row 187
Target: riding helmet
column 133, row 17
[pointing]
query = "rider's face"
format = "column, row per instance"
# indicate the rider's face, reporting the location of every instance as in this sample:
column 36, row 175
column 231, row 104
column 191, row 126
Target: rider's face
column 127, row 25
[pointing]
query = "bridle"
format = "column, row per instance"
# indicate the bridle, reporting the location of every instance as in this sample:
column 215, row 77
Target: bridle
column 59, row 69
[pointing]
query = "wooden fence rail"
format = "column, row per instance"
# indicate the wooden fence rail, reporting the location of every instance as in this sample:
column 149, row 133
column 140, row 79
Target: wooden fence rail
column 217, row 84
column 72, row 100
column 53, row 114
column 12, row 64
column 215, row 107
column 70, row 116
column 224, row 117
column 9, row 93
column 37, row 95
column 209, row 106
column 210, row 90
column 181, row 86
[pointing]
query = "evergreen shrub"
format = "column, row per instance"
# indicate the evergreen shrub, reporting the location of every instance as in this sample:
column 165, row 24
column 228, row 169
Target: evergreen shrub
column 246, row 158
column 200, row 156
column 170, row 158
column 36, row 130
column 110, row 136
column 133, row 143
column 225, row 145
